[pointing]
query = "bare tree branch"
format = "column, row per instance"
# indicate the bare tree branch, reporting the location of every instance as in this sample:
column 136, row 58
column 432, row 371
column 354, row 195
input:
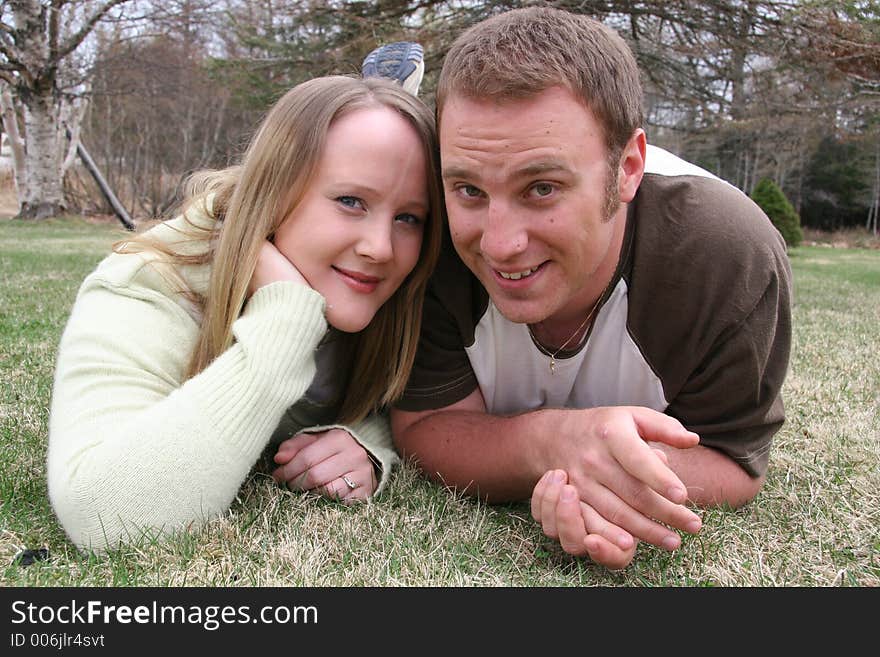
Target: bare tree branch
column 77, row 38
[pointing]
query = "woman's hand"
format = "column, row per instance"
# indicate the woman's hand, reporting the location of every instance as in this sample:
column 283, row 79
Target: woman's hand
column 330, row 463
column 273, row 266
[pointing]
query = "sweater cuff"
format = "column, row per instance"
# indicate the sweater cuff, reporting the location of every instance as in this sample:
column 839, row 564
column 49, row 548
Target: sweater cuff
column 374, row 435
column 284, row 294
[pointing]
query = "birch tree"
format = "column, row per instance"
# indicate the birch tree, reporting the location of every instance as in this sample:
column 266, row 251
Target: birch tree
column 38, row 40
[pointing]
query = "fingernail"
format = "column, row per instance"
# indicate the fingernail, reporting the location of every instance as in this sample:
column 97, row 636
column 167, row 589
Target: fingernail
column 568, row 494
column 671, row 542
column 624, row 542
column 558, row 476
column 677, row 494
column 694, row 526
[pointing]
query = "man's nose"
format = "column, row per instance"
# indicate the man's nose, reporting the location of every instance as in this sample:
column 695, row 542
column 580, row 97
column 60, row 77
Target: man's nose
column 504, row 235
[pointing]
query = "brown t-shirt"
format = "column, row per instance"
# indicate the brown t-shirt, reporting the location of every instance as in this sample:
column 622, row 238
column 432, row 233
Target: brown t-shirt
column 696, row 323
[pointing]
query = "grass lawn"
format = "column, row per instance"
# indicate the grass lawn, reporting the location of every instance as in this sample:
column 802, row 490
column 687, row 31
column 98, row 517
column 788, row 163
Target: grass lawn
column 814, row 524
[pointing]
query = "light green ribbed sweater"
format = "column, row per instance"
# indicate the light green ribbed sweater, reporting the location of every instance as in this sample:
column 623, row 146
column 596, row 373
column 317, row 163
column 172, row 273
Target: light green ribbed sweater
column 131, row 446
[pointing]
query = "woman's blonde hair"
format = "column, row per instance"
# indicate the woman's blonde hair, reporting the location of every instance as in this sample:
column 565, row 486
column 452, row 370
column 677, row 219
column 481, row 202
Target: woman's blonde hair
column 249, row 202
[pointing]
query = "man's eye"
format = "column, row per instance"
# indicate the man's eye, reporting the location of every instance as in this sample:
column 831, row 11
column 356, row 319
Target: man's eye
column 350, row 202
column 542, row 189
column 469, row 191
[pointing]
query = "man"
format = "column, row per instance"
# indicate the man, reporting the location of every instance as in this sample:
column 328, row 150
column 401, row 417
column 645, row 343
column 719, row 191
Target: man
column 611, row 331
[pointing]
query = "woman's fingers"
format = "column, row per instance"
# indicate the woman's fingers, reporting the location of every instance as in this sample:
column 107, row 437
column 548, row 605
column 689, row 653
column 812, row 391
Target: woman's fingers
column 330, row 463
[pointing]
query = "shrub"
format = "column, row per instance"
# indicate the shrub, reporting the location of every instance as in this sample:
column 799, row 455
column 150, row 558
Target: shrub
column 774, row 204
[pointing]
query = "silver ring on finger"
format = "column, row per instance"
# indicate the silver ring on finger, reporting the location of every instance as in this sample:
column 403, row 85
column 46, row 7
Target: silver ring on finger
column 349, row 482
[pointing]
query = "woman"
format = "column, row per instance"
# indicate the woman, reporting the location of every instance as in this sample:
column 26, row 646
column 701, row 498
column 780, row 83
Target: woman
column 282, row 308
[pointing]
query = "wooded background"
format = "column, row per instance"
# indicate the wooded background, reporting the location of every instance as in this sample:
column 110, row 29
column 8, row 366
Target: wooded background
column 786, row 90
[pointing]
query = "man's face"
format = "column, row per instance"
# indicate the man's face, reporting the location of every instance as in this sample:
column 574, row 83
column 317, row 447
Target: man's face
column 528, row 190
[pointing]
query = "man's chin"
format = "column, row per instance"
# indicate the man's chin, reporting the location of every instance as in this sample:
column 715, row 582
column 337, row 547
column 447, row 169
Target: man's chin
column 520, row 313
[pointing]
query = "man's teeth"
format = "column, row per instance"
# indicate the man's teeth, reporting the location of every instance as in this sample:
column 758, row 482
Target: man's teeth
column 515, row 276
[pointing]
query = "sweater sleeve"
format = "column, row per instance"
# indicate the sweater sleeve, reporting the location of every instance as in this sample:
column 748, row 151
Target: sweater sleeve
column 373, row 433
column 131, row 446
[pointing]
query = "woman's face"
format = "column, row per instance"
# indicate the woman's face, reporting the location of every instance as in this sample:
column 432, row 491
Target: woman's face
column 357, row 232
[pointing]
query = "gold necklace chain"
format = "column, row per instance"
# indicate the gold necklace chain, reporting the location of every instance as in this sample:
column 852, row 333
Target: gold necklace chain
column 553, row 354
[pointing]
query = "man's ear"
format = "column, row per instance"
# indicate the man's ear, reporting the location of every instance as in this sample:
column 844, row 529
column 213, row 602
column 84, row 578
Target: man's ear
column 632, row 166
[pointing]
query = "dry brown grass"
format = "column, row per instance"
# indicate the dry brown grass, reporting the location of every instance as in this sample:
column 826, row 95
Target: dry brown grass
column 849, row 238
column 814, row 524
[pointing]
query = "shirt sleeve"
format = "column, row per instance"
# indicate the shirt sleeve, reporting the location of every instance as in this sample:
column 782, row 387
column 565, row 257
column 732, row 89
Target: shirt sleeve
column 442, row 373
column 133, row 448
column 733, row 400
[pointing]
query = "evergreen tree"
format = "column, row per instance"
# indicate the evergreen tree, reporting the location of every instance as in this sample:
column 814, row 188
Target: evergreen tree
column 781, row 212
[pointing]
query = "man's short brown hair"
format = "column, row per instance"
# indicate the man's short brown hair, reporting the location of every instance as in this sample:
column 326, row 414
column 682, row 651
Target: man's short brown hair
column 525, row 51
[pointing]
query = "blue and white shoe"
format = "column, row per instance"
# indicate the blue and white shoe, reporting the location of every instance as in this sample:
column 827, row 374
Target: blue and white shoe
column 403, row 61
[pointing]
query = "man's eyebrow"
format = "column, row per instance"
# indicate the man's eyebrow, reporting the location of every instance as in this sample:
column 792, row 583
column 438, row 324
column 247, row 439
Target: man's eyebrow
column 538, row 168
column 457, row 172
column 530, row 170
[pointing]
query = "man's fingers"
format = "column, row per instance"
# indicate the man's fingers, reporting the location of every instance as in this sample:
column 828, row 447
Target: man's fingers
column 642, row 462
column 603, row 542
column 538, row 495
column 616, row 511
column 549, row 501
column 606, row 553
column 661, row 455
column 596, row 524
column 632, row 470
column 662, row 428
column 570, row 522
column 653, row 489
column 580, row 530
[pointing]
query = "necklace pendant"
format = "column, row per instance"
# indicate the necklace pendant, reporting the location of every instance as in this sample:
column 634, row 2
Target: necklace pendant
column 552, row 365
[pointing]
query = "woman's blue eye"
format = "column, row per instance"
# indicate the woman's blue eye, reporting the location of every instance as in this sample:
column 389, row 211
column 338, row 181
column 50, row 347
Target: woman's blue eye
column 409, row 219
column 350, row 201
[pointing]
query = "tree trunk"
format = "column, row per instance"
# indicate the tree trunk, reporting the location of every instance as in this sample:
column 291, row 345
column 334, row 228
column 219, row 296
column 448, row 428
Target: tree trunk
column 44, row 195
column 874, row 211
column 16, row 143
column 35, row 48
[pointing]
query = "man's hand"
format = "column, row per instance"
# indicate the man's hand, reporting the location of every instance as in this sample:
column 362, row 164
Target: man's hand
column 325, row 462
column 606, row 454
column 578, row 528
